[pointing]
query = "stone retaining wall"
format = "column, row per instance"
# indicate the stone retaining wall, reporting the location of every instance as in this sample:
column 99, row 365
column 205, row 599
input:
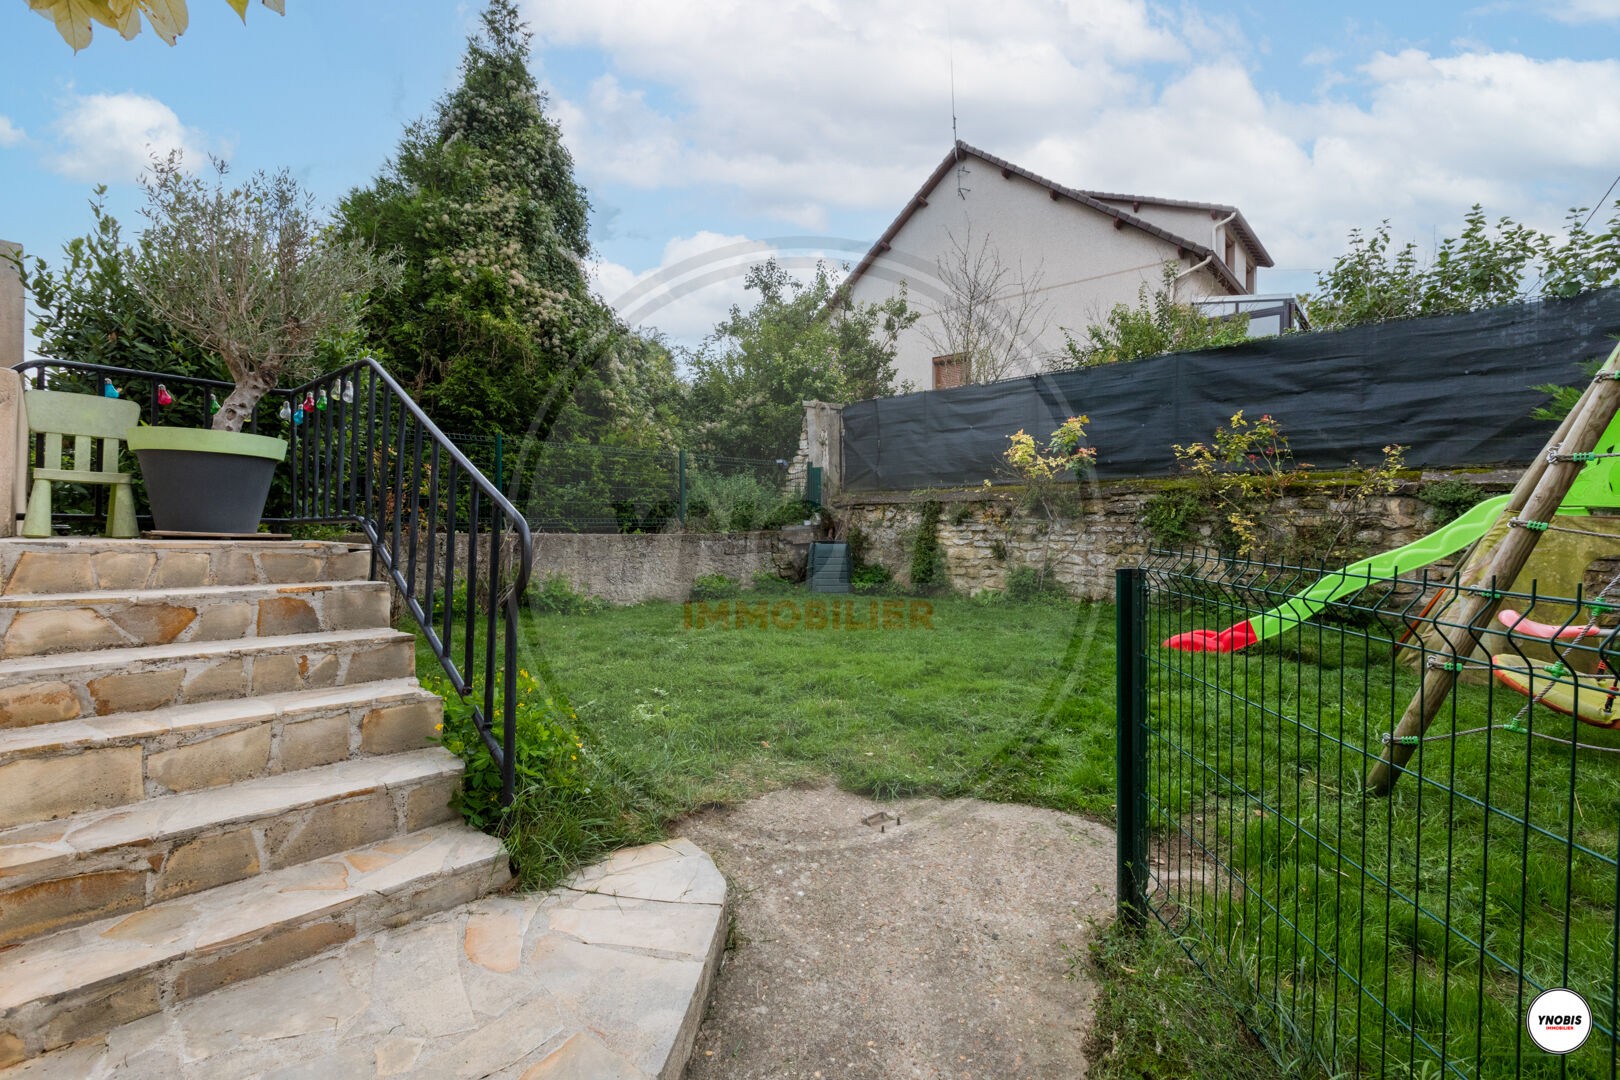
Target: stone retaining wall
column 629, row 569
column 622, row 568
column 980, row 542
column 981, row 547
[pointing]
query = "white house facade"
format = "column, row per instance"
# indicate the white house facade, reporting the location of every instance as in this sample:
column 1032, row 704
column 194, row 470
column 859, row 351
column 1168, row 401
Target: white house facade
column 1058, row 259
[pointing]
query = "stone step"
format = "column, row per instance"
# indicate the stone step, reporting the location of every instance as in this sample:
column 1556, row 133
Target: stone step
column 85, row 565
column 67, row 686
column 603, row 978
column 99, row 863
column 35, row 624
column 52, row 771
column 80, row 984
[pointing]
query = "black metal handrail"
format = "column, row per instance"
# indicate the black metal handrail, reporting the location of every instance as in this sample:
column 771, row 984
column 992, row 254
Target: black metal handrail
column 364, row 453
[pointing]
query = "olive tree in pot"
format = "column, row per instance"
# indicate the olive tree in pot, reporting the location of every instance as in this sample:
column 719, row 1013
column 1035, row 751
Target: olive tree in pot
column 251, row 276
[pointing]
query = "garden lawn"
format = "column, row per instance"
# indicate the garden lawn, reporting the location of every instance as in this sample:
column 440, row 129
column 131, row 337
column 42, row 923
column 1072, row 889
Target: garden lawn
column 996, row 700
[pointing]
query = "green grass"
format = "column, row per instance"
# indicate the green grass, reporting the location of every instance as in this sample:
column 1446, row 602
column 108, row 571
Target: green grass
column 979, row 702
column 1000, row 700
column 1158, row 1019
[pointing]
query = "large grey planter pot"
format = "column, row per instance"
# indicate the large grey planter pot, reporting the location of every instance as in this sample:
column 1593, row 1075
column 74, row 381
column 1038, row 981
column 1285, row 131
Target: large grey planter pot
column 204, row 481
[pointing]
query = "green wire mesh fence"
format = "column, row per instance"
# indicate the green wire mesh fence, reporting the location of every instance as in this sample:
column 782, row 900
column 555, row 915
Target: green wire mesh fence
column 589, row 487
column 1398, row 935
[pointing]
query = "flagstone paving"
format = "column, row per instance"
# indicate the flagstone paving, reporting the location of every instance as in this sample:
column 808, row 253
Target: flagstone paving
column 604, row 978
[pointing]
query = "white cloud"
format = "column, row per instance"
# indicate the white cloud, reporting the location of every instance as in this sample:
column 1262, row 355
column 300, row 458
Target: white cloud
column 10, row 134
column 700, row 277
column 111, row 138
column 692, row 288
column 829, row 103
column 1581, row 11
column 801, row 112
column 1436, row 135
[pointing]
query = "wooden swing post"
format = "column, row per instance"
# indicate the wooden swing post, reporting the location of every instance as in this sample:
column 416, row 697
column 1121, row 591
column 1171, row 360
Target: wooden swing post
column 1536, row 498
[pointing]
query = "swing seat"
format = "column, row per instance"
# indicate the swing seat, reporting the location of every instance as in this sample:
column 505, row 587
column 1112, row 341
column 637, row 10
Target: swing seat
column 86, row 419
column 1592, row 699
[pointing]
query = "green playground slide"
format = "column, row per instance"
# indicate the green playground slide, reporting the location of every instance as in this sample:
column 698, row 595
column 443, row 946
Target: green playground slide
column 1447, row 540
column 1598, row 485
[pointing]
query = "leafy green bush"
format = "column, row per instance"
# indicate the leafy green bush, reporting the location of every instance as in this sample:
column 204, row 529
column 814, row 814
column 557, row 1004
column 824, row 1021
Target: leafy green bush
column 572, row 800
column 556, row 595
column 928, row 573
column 1451, row 498
column 1171, row 516
column 1564, row 398
column 800, row 341
column 1485, row 265
column 729, row 502
column 871, row 579
column 457, row 598
column 1028, row 585
column 769, row 584
column 1157, row 324
column 715, row 587
column 791, row 512
column 548, row 748
column 88, row 309
column 631, row 518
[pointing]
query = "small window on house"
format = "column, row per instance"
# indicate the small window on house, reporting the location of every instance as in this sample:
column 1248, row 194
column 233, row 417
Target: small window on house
column 950, row 371
column 1248, row 278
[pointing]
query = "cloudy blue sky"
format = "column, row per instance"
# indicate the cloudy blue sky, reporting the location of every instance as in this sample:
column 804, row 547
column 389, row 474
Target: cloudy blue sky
column 709, row 133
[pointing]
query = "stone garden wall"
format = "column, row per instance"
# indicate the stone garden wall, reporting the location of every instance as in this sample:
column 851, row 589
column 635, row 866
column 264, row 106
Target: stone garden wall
column 980, row 541
column 628, row 569
column 981, row 546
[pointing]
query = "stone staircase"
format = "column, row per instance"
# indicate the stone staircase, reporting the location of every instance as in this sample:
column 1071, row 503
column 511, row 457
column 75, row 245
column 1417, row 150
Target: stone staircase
column 214, row 763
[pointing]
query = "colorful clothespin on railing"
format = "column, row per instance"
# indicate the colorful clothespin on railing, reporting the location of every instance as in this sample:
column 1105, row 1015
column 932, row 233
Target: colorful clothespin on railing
column 108, row 389
column 286, row 411
column 348, row 391
column 164, row 398
column 320, row 400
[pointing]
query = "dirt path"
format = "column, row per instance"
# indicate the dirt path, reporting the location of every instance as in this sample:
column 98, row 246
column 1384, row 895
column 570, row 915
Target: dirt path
column 935, row 947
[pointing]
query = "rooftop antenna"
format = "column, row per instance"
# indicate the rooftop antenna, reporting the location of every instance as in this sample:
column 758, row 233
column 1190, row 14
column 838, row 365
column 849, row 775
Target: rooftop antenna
column 956, row 143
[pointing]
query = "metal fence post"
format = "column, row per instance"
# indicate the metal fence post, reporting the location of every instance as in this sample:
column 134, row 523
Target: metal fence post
column 680, row 469
column 1130, row 590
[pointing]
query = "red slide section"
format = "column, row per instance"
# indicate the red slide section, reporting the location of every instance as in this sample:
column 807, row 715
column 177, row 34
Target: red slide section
column 1231, row 639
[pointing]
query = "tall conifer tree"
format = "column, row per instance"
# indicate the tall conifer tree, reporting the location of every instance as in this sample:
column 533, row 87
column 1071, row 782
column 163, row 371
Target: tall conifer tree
column 492, row 324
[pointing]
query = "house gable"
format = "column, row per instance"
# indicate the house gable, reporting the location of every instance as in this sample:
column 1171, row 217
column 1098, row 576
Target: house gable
column 1065, row 251
column 1110, row 205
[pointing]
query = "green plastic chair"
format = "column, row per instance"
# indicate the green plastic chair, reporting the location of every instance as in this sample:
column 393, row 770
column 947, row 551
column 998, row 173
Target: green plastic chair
column 86, row 418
